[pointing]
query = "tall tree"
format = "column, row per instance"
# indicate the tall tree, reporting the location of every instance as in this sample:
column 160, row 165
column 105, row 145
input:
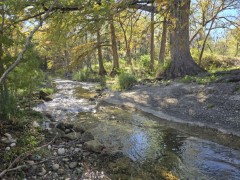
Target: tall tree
column 102, row 70
column 163, row 42
column 152, row 49
column 114, row 48
column 182, row 62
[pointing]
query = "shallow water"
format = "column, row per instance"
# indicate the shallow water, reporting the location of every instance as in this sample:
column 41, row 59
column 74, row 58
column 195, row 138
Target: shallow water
column 152, row 150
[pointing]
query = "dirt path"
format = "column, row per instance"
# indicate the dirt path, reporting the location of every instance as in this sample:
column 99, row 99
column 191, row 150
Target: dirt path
column 216, row 105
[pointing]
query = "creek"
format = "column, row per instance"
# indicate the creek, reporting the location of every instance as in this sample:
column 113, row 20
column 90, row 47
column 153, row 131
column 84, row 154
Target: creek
column 150, row 148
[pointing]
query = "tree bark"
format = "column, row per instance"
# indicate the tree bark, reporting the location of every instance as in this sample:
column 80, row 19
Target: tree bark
column 182, row 62
column 114, row 49
column 152, row 42
column 163, row 42
column 102, row 70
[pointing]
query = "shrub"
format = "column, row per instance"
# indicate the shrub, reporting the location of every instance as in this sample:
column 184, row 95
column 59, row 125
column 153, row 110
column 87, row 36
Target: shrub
column 126, row 80
column 80, row 75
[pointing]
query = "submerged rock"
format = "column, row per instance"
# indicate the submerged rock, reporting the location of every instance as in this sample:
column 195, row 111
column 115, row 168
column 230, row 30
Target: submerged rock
column 87, row 136
column 94, row 146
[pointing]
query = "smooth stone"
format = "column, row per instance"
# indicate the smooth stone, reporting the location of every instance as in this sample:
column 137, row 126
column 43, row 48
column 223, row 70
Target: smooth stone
column 8, row 149
column 67, row 131
column 55, row 167
column 72, row 165
column 73, row 136
column 94, row 146
column 65, row 159
column 61, row 151
column 30, row 162
column 49, row 147
column 13, row 144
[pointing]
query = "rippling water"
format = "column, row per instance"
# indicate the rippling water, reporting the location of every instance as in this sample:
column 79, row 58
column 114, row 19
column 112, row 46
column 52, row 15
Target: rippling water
column 156, row 150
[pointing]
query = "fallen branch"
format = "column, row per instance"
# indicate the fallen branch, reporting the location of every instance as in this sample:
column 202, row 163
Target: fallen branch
column 21, row 157
column 29, row 38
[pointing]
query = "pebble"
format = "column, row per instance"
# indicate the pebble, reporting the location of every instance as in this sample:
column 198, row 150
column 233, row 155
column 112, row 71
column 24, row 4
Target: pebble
column 8, row 148
column 77, row 149
column 49, row 147
column 61, row 151
column 30, row 162
column 60, row 171
column 72, row 165
column 55, row 167
column 43, row 171
column 65, row 159
column 13, row 144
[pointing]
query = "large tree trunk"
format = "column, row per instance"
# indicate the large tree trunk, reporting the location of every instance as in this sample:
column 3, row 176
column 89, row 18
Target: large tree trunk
column 114, row 49
column 163, row 42
column 182, row 62
column 152, row 42
column 102, row 70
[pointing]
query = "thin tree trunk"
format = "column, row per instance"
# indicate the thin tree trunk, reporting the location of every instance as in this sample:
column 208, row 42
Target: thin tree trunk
column 102, row 70
column 205, row 41
column 88, row 60
column 152, row 42
column 114, row 49
column 237, row 49
column 182, row 62
column 163, row 42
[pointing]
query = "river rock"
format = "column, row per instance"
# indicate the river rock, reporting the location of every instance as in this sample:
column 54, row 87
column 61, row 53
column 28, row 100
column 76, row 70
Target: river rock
column 42, row 172
column 61, row 171
column 72, row 136
column 72, row 165
column 61, row 151
column 87, row 136
column 8, row 139
column 8, row 148
column 55, row 167
column 13, row 145
column 94, row 146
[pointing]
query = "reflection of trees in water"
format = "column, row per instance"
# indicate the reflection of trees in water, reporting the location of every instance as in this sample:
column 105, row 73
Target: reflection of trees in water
column 167, row 144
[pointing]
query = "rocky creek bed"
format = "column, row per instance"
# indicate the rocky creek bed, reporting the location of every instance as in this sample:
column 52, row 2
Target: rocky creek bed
column 92, row 139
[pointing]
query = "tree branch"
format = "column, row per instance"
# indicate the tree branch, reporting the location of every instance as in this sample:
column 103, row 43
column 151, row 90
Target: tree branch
column 20, row 56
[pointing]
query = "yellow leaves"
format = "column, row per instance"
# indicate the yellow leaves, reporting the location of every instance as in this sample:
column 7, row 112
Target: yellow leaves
column 170, row 176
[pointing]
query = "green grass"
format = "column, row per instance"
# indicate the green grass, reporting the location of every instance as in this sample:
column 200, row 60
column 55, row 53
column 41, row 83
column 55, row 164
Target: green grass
column 199, row 80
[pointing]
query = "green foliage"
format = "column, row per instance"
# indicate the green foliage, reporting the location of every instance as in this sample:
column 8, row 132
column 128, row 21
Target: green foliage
column 80, row 75
column 126, row 80
column 199, row 80
column 48, row 91
column 145, row 61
